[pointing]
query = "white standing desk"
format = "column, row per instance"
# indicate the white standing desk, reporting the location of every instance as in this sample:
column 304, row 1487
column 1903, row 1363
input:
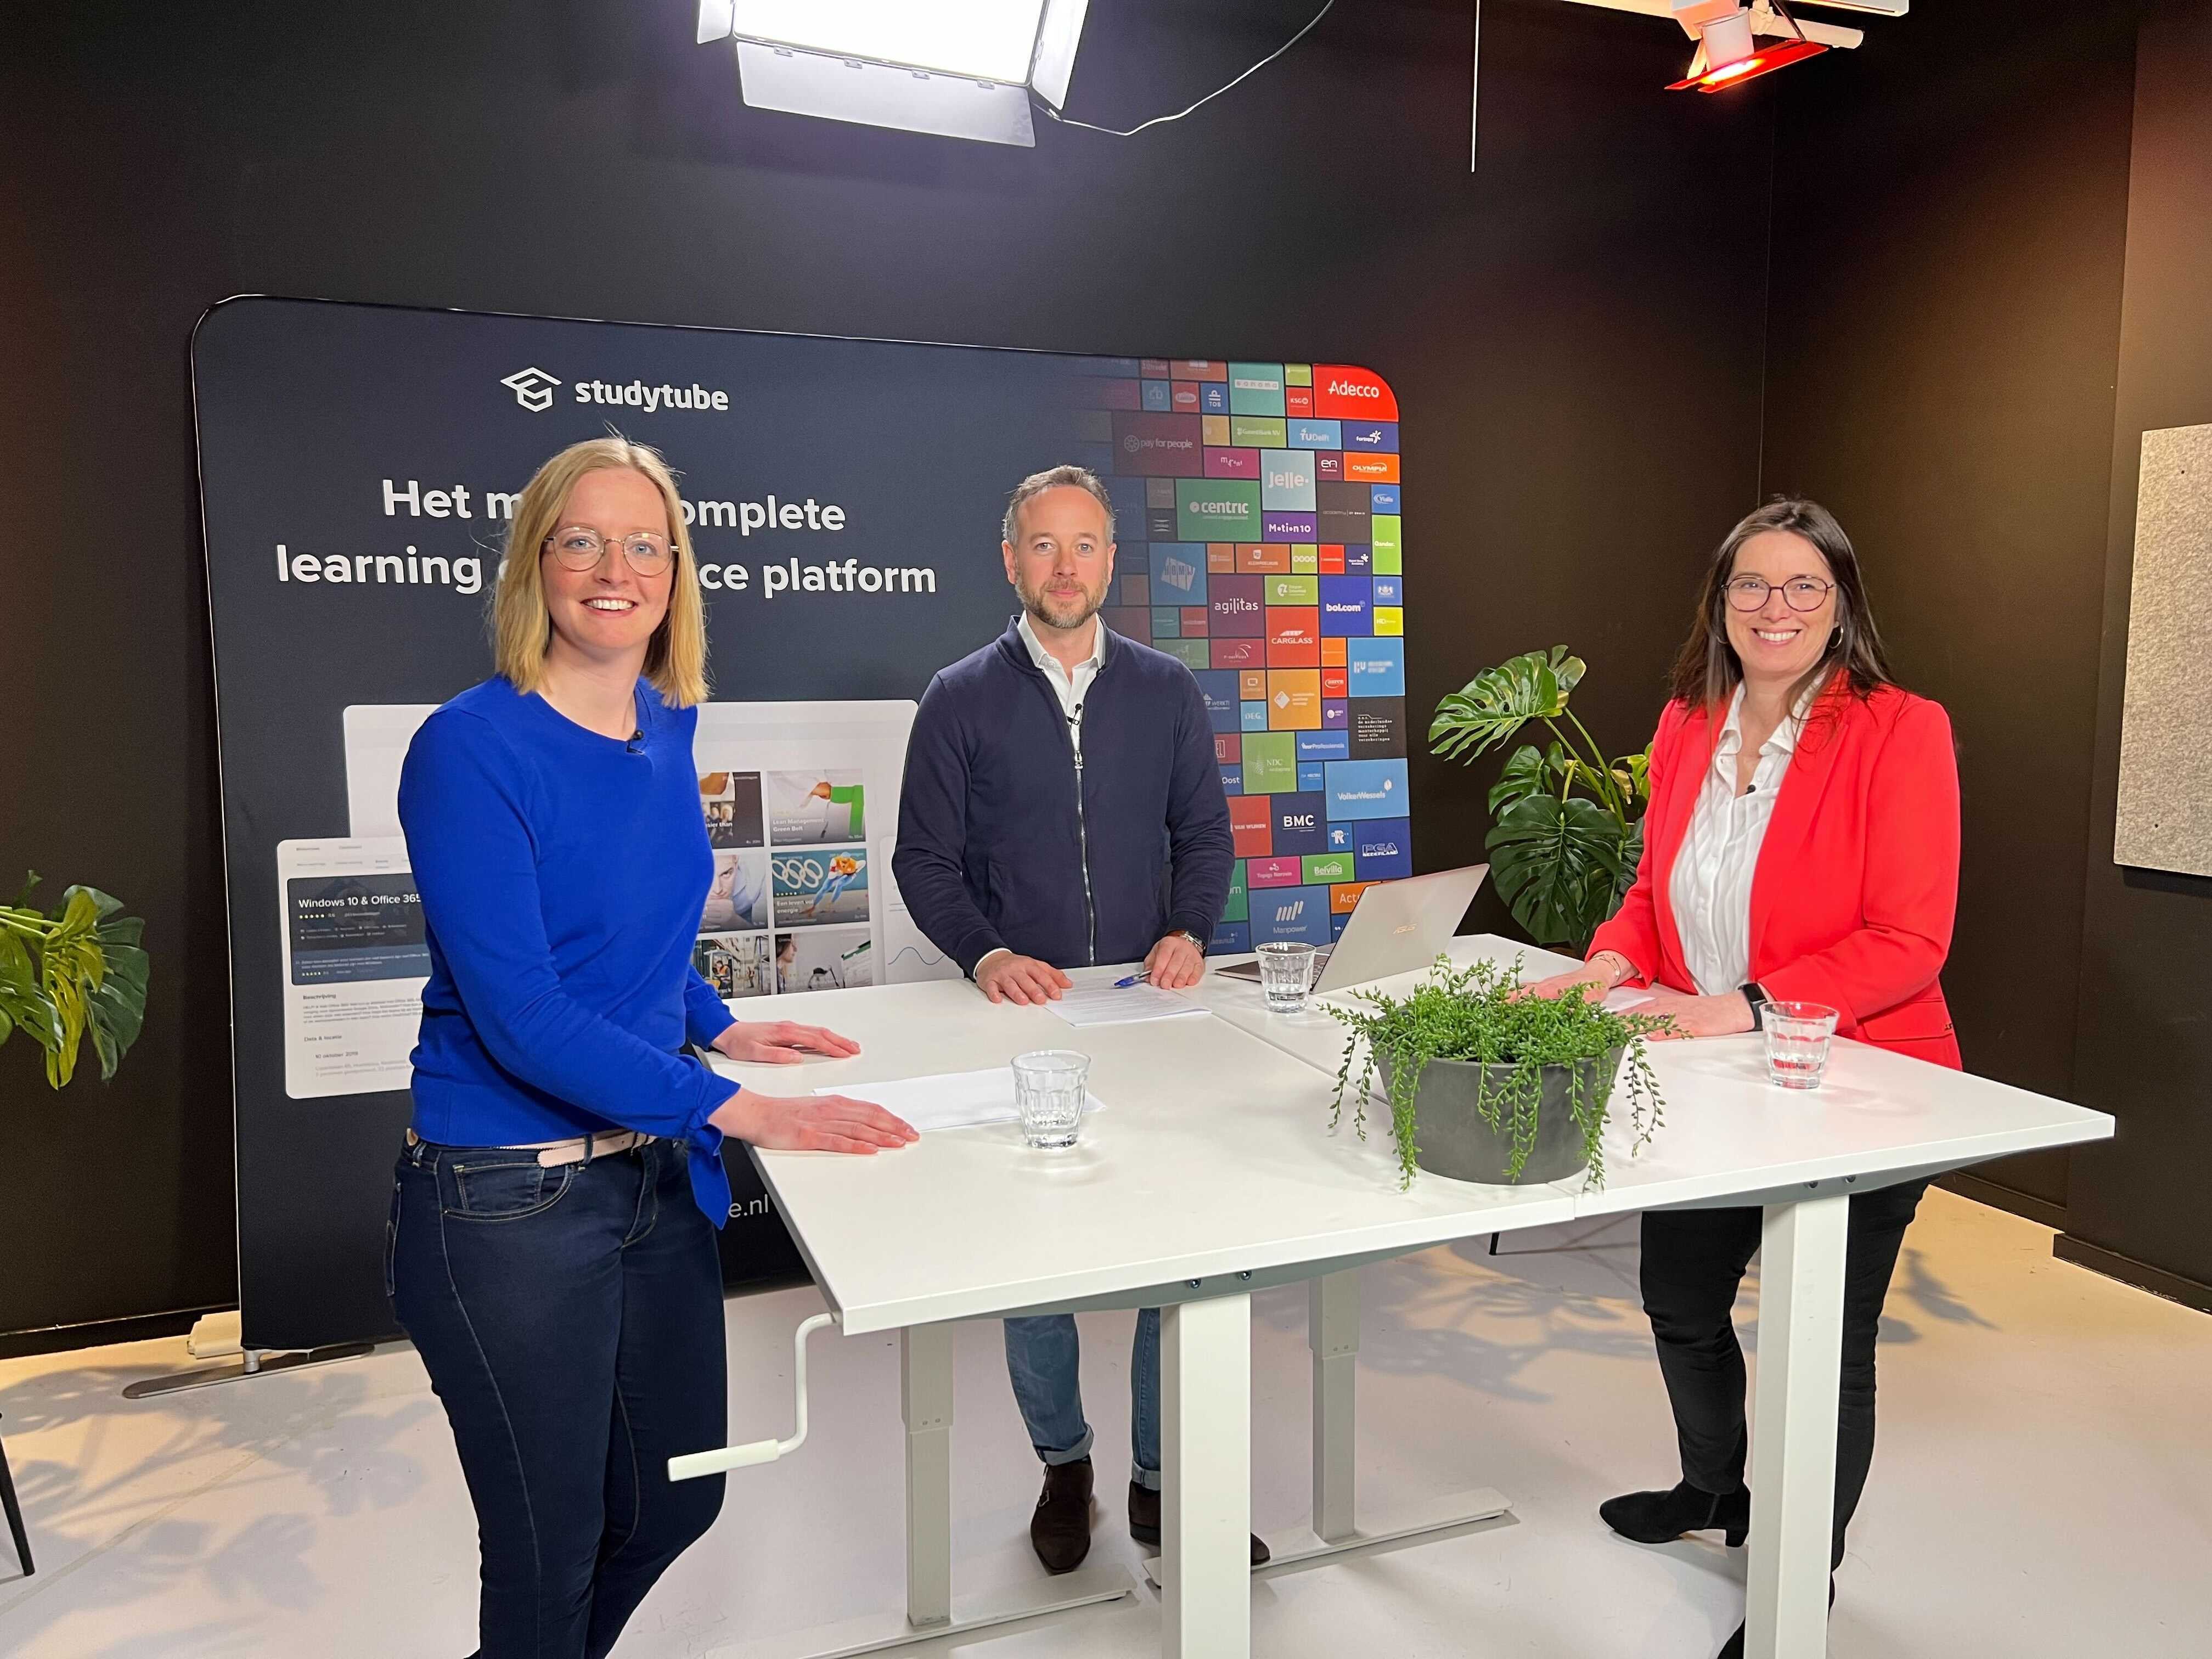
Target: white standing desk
column 1212, row 1174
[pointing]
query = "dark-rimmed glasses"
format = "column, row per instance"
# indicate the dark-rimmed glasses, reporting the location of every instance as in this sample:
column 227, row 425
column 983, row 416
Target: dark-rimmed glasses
column 580, row 547
column 1749, row 593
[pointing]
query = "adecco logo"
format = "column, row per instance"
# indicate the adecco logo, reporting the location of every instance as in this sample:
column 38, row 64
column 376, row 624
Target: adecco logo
column 533, row 389
column 1345, row 393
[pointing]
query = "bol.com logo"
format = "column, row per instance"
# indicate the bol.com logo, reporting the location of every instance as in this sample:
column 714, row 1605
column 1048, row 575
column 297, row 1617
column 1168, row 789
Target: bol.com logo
column 533, row 389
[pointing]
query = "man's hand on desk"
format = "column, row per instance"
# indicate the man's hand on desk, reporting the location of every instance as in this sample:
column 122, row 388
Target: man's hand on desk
column 1174, row 962
column 782, row 1043
column 1003, row 976
column 809, row 1123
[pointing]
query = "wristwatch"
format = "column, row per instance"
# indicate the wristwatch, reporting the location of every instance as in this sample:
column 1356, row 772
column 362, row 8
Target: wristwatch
column 1756, row 998
column 1185, row 933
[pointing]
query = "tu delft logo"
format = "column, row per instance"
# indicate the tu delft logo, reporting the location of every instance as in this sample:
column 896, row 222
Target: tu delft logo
column 533, row 389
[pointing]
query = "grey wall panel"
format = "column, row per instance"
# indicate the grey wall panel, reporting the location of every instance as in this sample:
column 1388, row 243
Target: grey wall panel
column 2164, row 814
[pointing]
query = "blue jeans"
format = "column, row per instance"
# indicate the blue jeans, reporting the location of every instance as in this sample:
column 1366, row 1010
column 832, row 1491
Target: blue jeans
column 571, row 1322
column 1041, row 1358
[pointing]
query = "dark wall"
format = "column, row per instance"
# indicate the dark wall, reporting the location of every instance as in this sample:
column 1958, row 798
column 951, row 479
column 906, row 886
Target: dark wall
column 1577, row 429
column 2145, row 1044
column 1950, row 220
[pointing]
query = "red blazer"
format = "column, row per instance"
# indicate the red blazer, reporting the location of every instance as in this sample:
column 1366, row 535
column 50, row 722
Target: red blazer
column 1857, row 881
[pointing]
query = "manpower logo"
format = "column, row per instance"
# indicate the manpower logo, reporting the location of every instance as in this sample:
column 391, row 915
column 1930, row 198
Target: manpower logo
column 533, row 389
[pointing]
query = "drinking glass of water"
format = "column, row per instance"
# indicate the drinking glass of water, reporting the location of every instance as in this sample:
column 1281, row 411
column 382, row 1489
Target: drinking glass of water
column 1049, row 1089
column 1797, row 1038
column 1286, row 974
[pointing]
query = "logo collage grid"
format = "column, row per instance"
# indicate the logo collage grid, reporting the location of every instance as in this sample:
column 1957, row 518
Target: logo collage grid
column 1259, row 529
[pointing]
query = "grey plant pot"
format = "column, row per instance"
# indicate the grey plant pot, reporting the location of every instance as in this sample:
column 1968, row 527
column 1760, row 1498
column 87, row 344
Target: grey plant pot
column 1452, row 1140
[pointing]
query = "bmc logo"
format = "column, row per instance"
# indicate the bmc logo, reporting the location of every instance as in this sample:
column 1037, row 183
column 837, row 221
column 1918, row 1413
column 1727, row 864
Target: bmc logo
column 533, row 389
column 1298, row 821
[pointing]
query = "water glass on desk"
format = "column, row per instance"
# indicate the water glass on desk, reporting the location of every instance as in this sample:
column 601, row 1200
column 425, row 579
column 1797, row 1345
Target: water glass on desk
column 1286, row 974
column 1050, row 1086
column 1797, row 1038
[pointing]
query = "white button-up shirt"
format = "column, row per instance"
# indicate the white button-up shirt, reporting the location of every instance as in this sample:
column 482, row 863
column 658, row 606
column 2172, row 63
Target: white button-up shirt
column 1710, row 886
column 1071, row 687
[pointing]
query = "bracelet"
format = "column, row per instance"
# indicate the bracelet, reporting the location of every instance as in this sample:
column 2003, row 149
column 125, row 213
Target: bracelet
column 1627, row 968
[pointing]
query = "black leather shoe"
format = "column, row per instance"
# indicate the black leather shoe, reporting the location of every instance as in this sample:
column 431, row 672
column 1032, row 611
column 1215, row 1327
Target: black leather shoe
column 1144, row 1521
column 1060, row 1530
column 1660, row 1518
column 1733, row 1648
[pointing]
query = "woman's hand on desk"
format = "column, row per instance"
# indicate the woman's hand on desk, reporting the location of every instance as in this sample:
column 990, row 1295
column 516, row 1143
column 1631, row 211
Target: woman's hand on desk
column 782, row 1043
column 1697, row 1016
column 810, row 1123
column 1600, row 974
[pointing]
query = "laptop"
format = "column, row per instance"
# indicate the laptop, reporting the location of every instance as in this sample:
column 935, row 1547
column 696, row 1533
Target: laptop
column 1396, row 928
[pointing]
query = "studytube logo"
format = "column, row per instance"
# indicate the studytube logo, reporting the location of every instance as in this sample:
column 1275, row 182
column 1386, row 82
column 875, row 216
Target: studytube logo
column 533, row 389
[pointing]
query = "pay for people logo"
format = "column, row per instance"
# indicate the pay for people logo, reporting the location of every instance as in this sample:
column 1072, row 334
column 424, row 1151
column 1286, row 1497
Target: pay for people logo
column 533, row 387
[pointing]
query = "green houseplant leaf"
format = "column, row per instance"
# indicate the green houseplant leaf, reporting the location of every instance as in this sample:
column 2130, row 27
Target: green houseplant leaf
column 1559, row 861
column 1499, row 701
column 81, row 970
column 1566, row 821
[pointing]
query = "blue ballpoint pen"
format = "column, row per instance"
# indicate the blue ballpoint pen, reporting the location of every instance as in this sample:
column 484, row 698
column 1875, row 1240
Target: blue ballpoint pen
column 1133, row 979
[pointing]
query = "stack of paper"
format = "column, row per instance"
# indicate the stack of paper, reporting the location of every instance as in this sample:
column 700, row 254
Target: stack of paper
column 1106, row 1005
column 949, row 1100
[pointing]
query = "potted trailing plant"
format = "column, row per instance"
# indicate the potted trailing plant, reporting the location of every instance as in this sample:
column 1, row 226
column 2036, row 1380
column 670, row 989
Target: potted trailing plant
column 1568, row 822
column 1485, row 1085
column 71, row 971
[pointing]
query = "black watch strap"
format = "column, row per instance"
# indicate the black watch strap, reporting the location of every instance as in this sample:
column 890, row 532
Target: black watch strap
column 1756, row 998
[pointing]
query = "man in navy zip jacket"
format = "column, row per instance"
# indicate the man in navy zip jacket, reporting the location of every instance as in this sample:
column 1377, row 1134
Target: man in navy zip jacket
column 1062, row 806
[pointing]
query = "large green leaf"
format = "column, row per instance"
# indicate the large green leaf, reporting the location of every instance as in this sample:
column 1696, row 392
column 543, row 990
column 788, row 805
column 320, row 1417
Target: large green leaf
column 1527, row 772
column 1499, row 701
column 116, row 1009
column 1558, row 864
column 21, row 1002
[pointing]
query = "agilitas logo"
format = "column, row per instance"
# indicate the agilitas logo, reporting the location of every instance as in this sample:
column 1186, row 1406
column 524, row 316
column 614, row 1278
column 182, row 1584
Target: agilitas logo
column 533, row 389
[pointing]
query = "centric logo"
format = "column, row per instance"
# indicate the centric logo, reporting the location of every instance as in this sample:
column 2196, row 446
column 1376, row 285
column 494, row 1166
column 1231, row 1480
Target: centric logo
column 533, row 389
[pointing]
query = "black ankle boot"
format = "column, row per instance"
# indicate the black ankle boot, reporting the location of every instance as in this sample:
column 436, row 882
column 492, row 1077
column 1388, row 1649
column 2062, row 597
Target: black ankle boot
column 1660, row 1518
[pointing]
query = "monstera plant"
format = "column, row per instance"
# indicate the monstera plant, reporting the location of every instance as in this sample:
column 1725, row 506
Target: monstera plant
column 1568, row 825
column 71, row 971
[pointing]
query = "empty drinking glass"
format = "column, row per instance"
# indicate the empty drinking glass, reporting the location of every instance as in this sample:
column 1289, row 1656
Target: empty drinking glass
column 1797, row 1038
column 1286, row 974
column 1049, row 1088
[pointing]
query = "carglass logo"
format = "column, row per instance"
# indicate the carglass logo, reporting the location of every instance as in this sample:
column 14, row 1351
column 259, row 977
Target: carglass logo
column 533, row 389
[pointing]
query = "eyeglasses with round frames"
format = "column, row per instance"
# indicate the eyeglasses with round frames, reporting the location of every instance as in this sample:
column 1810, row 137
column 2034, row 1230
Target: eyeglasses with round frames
column 580, row 547
column 1748, row 594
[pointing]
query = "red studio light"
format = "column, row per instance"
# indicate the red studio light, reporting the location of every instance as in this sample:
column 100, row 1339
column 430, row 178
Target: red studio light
column 1764, row 61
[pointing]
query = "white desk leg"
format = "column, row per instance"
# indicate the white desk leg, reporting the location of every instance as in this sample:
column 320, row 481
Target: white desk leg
column 1332, row 1334
column 926, row 1402
column 1205, row 1507
column 1793, row 1469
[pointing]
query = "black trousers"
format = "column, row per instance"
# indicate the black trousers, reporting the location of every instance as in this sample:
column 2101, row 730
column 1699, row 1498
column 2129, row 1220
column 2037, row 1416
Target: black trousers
column 1693, row 1263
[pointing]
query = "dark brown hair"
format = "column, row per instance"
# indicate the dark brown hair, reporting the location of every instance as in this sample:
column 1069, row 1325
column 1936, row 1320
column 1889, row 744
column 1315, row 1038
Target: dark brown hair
column 1708, row 671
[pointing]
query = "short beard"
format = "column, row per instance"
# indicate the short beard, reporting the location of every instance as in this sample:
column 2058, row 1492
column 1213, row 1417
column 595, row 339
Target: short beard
column 1034, row 604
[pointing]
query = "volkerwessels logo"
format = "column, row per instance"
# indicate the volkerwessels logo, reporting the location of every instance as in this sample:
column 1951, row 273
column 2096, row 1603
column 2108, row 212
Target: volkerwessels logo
column 533, row 389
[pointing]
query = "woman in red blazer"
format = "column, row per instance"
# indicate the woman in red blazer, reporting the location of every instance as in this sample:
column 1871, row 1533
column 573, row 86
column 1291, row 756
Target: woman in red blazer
column 1801, row 846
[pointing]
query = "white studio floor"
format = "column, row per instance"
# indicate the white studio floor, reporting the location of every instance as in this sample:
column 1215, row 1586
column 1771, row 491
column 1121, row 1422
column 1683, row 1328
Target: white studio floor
column 2043, row 1485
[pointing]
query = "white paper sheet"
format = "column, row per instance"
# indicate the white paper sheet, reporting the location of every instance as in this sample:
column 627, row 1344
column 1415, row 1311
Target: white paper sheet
column 950, row 1100
column 1103, row 1005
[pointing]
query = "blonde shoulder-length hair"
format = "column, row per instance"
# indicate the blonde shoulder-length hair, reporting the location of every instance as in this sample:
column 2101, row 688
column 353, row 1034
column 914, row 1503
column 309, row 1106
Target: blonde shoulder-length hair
column 521, row 627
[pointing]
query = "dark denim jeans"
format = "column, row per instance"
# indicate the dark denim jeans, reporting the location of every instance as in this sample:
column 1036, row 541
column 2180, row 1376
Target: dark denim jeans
column 1043, row 1358
column 571, row 1320
column 1693, row 1264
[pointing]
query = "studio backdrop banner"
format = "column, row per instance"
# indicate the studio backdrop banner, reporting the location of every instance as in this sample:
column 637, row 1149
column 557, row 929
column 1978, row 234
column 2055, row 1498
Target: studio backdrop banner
column 358, row 466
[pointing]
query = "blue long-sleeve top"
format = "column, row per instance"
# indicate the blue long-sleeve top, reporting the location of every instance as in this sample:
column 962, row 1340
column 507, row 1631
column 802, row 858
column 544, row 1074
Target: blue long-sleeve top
column 563, row 875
